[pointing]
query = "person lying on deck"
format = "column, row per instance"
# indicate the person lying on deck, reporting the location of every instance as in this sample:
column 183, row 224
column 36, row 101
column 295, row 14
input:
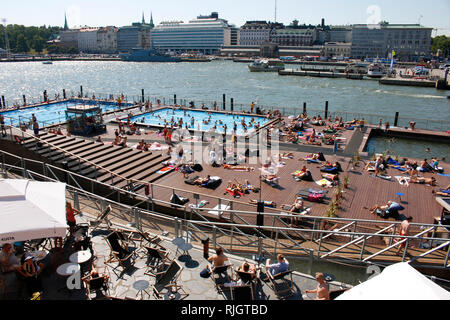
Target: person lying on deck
column 422, row 180
column 272, row 178
column 270, row 204
column 390, row 210
column 296, row 207
column 201, row 181
column 238, row 168
column 443, row 192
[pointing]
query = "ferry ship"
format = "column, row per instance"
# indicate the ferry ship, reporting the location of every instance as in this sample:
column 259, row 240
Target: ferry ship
column 376, row 70
column 142, row 55
column 266, row 66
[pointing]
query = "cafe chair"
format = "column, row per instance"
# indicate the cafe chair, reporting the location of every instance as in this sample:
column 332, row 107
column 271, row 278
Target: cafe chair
column 242, row 293
column 101, row 218
column 97, row 284
column 156, row 260
column 120, row 250
column 223, row 276
column 283, row 288
column 169, row 279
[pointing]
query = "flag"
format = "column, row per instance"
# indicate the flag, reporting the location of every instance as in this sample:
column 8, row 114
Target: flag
column 392, row 60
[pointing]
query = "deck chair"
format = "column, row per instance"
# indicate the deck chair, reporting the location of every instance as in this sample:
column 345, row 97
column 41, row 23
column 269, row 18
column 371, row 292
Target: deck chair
column 168, row 278
column 222, row 272
column 96, row 284
column 156, row 260
column 243, row 292
column 277, row 281
column 102, row 217
column 120, row 251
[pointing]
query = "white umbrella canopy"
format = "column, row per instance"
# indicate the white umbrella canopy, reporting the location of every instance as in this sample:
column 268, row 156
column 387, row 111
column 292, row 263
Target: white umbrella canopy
column 399, row 281
column 31, row 210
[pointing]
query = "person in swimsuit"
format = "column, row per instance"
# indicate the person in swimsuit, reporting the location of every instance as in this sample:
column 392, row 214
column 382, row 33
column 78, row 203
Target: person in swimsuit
column 322, row 290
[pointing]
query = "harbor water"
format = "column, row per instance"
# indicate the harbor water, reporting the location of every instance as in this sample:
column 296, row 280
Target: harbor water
column 209, row 81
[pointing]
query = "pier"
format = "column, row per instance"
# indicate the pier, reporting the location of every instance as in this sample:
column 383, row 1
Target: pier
column 320, row 74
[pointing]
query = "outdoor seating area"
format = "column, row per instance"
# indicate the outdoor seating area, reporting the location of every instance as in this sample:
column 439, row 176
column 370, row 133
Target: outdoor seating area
column 115, row 262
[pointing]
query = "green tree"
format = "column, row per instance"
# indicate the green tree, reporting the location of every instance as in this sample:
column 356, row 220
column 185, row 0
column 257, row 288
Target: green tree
column 21, row 44
column 442, row 43
column 38, row 43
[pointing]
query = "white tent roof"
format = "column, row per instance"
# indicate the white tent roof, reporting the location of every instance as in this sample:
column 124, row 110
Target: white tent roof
column 31, row 210
column 399, row 281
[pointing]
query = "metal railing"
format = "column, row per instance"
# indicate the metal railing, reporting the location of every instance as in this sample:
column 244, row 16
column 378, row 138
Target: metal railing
column 373, row 119
column 238, row 235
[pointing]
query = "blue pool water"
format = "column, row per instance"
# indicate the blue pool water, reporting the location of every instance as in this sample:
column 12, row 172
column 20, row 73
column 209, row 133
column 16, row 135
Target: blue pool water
column 52, row 113
column 195, row 120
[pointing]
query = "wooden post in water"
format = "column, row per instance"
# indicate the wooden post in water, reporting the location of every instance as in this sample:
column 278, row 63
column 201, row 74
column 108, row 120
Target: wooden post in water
column 1, row 104
column 3, row 100
column 81, row 91
column 143, row 99
column 232, row 104
column 45, row 95
column 223, row 101
column 64, row 94
column 304, row 107
column 396, row 119
column 24, row 100
column 326, row 110
column 174, row 99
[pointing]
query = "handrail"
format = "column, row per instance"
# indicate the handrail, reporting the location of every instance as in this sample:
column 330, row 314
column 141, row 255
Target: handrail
column 404, row 239
column 276, row 214
column 225, row 231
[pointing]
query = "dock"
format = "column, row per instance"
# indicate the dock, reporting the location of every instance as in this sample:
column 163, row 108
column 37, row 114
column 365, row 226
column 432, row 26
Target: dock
column 320, row 74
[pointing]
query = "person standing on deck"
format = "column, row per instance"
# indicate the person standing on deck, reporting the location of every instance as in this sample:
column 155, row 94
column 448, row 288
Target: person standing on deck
column 252, row 105
column 322, row 290
column 404, row 228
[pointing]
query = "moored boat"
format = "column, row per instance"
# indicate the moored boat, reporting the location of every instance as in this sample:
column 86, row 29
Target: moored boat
column 265, row 66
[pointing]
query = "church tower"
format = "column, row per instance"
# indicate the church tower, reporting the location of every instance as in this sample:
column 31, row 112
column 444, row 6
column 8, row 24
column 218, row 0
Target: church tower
column 66, row 27
column 151, row 21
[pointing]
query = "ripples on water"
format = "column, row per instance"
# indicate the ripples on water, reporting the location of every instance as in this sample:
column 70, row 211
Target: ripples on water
column 208, row 81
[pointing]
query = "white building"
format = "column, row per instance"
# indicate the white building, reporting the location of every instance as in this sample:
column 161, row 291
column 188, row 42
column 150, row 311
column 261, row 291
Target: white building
column 87, row 40
column 206, row 34
column 107, row 40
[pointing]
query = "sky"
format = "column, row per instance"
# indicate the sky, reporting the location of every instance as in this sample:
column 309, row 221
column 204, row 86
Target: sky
column 96, row 13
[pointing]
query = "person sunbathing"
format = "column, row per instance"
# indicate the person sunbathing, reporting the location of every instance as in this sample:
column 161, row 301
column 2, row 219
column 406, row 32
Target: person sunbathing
column 422, row 180
column 271, row 204
column 443, row 192
column 272, row 178
column 301, row 173
column 248, row 268
column 201, row 181
column 239, row 168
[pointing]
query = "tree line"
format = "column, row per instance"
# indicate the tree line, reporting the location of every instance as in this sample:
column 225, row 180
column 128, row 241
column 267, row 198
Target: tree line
column 441, row 43
column 24, row 39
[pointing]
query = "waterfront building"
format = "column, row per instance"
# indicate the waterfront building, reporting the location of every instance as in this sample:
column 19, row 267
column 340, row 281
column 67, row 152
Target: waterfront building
column 234, row 36
column 206, row 34
column 87, row 40
column 135, row 36
column 409, row 41
column 107, row 39
column 337, row 49
column 294, row 37
column 339, row 34
column 69, row 38
column 254, row 33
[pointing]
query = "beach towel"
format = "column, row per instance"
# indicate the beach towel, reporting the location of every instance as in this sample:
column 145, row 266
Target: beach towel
column 312, row 161
column 217, row 210
column 191, row 180
column 443, row 174
column 404, row 181
column 381, row 176
column 200, row 205
column 400, row 168
column 324, row 183
column 334, row 170
column 165, row 169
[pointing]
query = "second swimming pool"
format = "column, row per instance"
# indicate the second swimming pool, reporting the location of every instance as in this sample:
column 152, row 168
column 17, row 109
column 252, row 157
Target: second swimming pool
column 201, row 120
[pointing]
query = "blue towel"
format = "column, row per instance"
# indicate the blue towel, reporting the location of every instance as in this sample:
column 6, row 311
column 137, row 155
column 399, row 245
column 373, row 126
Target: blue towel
column 400, row 168
column 444, row 175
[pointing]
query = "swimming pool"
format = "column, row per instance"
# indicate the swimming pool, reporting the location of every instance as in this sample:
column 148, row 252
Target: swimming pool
column 53, row 113
column 201, row 120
